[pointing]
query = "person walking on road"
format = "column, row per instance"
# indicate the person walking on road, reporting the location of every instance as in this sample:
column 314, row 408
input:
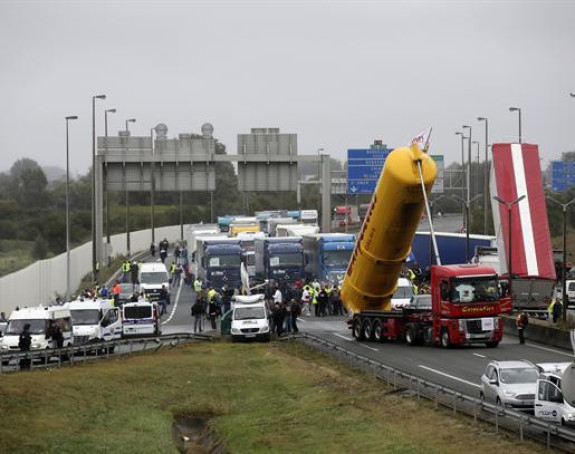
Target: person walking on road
column 322, row 299
column 55, row 333
column 295, row 309
column 24, row 344
column 153, row 249
column 197, row 314
column 126, row 271
column 521, row 323
column 134, row 272
column 213, row 311
column 557, row 310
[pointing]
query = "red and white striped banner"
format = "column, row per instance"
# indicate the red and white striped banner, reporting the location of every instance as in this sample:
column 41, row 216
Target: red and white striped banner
column 516, row 172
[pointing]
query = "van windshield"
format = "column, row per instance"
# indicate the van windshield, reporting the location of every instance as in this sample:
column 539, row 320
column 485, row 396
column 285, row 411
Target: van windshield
column 85, row 316
column 137, row 312
column 154, row 278
column 248, row 313
column 36, row 326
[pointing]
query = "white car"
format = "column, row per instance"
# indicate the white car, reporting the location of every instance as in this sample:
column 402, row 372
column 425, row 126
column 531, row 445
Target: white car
column 510, row 383
column 250, row 318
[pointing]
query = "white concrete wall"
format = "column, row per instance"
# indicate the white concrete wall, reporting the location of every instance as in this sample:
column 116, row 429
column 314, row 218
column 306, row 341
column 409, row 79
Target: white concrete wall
column 40, row 282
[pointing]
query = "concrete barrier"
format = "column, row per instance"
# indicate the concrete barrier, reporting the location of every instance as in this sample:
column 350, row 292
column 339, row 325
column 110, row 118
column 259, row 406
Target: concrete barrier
column 539, row 331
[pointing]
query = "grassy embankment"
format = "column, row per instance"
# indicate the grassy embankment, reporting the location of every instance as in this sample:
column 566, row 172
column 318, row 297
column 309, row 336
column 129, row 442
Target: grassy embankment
column 261, row 398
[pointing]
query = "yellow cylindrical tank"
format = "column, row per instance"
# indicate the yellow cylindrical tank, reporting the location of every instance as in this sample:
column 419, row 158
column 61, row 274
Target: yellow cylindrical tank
column 388, row 230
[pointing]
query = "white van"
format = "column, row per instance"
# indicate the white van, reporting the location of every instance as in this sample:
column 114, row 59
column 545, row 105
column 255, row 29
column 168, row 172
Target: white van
column 95, row 321
column 40, row 319
column 402, row 295
column 250, row 318
column 141, row 319
column 554, row 396
column 152, row 276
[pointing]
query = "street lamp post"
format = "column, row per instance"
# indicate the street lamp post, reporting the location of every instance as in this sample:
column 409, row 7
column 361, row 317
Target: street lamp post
column 518, row 110
column 467, row 204
column 153, row 189
column 509, row 240
column 468, row 173
column 128, row 250
column 485, row 175
column 431, row 203
column 564, row 207
column 463, row 138
column 475, row 142
column 319, row 151
column 94, row 258
column 73, row 117
column 107, row 210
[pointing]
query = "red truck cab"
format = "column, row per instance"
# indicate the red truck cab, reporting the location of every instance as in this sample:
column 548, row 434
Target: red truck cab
column 465, row 305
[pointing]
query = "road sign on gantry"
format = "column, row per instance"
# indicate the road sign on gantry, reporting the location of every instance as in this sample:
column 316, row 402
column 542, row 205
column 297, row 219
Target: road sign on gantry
column 364, row 168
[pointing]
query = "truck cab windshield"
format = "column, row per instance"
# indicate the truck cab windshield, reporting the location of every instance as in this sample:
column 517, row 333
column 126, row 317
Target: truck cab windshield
column 286, row 259
column 473, row 290
column 249, row 313
column 36, row 326
column 224, row 261
column 85, row 316
column 336, row 259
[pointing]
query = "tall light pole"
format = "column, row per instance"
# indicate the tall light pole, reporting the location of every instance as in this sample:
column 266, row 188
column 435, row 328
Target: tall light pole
column 468, row 173
column 319, row 151
column 509, row 240
column 72, row 117
column 564, row 206
column 106, row 112
column 128, row 251
column 153, row 188
column 485, row 175
column 459, row 133
column 475, row 142
column 107, row 210
column 467, row 204
column 518, row 110
column 94, row 258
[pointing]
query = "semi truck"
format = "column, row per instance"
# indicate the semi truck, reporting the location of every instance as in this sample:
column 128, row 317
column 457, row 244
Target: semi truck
column 280, row 259
column 345, row 215
column 309, row 217
column 327, row 255
column 218, row 262
column 248, row 244
column 465, row 301
column 296, row 229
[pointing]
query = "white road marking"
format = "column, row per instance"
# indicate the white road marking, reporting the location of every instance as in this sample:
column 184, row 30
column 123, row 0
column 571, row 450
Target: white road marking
column 351, row 339
column 481, row 356
column 450, row 376
column 570, row 355
column 175, row 306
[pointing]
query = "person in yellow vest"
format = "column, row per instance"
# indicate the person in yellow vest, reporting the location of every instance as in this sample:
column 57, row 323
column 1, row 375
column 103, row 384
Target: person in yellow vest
column 197, row 285
column 126, row 271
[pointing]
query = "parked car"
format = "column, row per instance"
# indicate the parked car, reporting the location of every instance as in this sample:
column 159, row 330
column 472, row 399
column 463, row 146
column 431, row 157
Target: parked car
column 510, row 383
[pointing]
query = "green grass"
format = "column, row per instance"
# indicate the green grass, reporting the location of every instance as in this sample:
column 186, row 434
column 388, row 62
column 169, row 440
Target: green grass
column 262, row 398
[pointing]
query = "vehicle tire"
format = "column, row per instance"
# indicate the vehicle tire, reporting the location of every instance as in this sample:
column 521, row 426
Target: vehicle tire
column 481, row 396
column 367, row 330
column 377, row 331
column 357, row 330
column 428, row 335
column 498, row 401
column 491, row 344
column 444, row 339
column 410, row 335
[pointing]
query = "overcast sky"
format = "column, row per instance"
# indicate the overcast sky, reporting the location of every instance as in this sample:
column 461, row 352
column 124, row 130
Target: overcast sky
column 339, row 74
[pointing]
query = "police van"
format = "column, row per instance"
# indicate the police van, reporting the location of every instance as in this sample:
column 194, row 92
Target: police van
column 555, row 393
column 95, row 321
column 39, row 318
column 141, row 319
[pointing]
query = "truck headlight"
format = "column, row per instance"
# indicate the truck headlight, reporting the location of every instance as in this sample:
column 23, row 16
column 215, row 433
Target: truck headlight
column 264, row 329
column 461, row 325
column 509, row 393
column 235, row 331
column 570, row 416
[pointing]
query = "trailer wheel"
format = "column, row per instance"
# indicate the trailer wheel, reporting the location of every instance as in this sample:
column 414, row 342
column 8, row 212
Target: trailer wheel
column 367, row 330
column 428, row 335
column 357, row 329
column 445, row 341
column 409, row 335
column 377, row 331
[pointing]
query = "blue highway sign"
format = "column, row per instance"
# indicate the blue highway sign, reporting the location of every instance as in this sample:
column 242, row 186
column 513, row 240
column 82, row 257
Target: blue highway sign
column 364, row 168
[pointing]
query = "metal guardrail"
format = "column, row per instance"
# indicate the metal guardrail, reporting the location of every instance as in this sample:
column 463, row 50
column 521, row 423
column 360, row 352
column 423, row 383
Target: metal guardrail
column 552, row 435
column 96, row 350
